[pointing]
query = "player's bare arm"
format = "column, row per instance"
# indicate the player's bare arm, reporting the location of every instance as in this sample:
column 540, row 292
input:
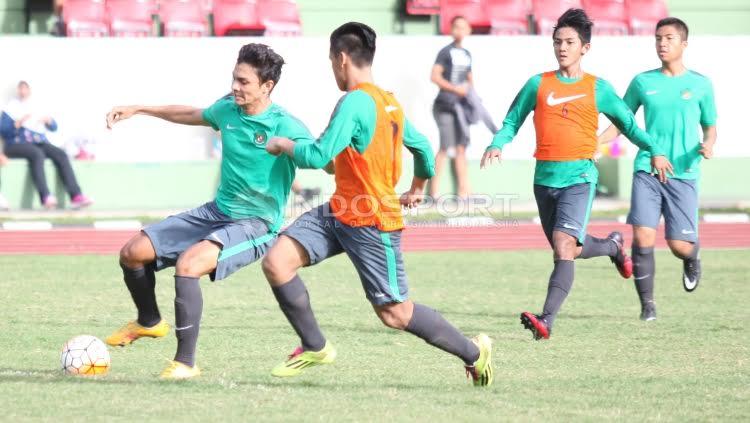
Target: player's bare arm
column 415, row 195
column 185, row 115
column 709, row 140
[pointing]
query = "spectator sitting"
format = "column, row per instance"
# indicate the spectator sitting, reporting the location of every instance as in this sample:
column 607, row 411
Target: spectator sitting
column 24, row 130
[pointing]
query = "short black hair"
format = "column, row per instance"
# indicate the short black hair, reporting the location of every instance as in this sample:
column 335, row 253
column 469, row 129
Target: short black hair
column 457, row 17
column 355, row 39
column 266, row 62
column 679, row 25
column 578, row 20
column 22, row 83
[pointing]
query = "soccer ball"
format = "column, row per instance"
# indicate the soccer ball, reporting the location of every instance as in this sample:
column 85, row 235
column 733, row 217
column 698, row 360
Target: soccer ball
column 85, row 355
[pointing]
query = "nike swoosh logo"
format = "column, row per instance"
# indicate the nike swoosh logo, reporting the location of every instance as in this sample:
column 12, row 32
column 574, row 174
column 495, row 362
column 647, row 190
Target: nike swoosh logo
column 566, row 226
column 552, row 101
column 689, row 285
column 642, row 277
column 652, row 92
column 685, row 232
column 390, row 108
column 230, row 127
column 186, row 327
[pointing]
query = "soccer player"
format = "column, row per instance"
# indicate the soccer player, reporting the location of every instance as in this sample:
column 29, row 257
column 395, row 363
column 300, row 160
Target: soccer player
column 363, row 219
column 676, row 102
column 223, row 235
column 566, row 105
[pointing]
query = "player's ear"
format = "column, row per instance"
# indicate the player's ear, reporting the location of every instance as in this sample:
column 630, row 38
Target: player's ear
column 585, row 49
column 267, row 86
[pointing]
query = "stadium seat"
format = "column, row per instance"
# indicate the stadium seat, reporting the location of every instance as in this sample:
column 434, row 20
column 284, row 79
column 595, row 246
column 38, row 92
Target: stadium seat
column 474, row 11
column 644, row 14
column 280, row 17
column 546, row 12
column 423, row 7
column 182, row 18
column 609, row 16
column 131, row 18
column 236, row 17
column 85, row 18
column 508, row 17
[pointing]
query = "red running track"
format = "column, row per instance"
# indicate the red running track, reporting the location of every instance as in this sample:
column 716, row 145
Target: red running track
column 521, row 236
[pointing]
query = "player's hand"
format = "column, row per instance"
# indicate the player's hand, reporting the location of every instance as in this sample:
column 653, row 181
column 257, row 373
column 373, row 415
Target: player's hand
column 275, row 146
column 412, row 198
column 461, row 90
column 707, row 150
column 120, row 113
column 490, row 155
column 660, row 166
column 3, row 159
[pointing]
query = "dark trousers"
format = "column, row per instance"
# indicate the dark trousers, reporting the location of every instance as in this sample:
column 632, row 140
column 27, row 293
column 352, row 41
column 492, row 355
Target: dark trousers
column 35, row 155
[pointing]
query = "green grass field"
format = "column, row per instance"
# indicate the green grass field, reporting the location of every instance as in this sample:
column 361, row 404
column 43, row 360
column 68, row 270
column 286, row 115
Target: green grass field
column 693, row 363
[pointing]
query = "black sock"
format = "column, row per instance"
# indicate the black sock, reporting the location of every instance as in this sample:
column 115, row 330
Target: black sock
column 560, row 282
column 597, row 247
column 644, row 270
column 141, row 283
column 431, row 326
column 294, row 301
column 188, row 307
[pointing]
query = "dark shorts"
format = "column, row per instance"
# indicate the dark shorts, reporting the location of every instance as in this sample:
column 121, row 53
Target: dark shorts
column 677, row 201
column 375, row 254
column 242, row 241
column 449, row 129
column 565, row 209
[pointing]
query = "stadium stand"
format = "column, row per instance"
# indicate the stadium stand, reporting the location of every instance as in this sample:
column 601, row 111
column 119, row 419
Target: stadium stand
column 423, row 7
column 236, row 17
column 85, row 18
column 183, row 18
column 508, row 17
column 608, row 15
column 546, row 13
column 473, row 10
column 131, row 18
column 280, row 17
column 643, row 15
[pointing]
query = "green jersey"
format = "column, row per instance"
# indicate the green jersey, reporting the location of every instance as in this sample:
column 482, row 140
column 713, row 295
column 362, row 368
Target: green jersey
column 253, row 182
column 675, row 107
column 566, row 119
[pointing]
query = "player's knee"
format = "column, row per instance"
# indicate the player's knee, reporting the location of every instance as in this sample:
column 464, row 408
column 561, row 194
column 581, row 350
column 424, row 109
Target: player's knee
column 274, row 268
column 129, row 256
column 393, row 317
column 565, row 248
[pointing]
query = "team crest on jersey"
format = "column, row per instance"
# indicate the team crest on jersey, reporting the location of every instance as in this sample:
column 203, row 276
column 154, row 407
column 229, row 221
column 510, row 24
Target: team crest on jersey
column 686, row 94
column 260, row 138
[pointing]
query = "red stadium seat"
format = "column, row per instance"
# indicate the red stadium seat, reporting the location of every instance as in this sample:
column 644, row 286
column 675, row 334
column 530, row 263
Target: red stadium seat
column 423, row 7
column 131, row 18
column 508, row 17
column 546, row 13
column 280, row 17
column 236, row 17
column 474, row 11
column 609, row 16
column 644, row 14
column 85, row 18
column 182, row 18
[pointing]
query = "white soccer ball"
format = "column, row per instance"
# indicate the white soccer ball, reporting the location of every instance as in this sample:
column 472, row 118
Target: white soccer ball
column 85, row 355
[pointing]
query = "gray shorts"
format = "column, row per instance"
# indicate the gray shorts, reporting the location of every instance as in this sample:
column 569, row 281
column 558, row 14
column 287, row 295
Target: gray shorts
column 565, row 209
column 450, row 130
column 375, row 254
column 242, row 241
column 677, row 200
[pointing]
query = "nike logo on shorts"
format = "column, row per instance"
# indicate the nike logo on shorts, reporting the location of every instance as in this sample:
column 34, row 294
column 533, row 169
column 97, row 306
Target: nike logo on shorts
column 566, row 226
column 552, row 101
column 652, row 92
column 686, row 232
